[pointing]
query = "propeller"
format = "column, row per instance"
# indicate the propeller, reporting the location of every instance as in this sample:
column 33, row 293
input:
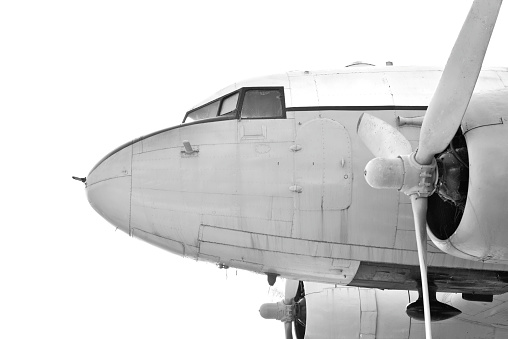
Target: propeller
column 289, row 294
column 290, row 290
column 285, row 310
column 415, row 173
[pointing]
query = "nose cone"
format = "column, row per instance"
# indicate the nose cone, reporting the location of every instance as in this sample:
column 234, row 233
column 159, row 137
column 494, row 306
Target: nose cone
column 109, row 187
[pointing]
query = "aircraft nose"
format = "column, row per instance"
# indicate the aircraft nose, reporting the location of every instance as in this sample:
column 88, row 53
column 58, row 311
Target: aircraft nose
column 108, row 187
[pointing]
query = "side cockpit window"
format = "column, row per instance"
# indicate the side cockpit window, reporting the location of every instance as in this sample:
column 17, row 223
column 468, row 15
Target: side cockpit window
column 262, row 103
column 205, row 112
column 228, row 106
column 223, row 107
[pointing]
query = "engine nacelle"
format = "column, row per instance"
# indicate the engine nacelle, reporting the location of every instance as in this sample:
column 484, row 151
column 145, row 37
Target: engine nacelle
column 483, row 230
column 352, row 312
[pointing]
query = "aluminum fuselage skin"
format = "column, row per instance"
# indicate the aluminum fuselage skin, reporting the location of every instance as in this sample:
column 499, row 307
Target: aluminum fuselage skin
column 287, row 196
column 350, row 312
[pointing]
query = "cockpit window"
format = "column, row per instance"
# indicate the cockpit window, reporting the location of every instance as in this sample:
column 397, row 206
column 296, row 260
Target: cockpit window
column 205, row 112
column 255, row 103
column 262, row 103
column 224, row 107
column 229, row 105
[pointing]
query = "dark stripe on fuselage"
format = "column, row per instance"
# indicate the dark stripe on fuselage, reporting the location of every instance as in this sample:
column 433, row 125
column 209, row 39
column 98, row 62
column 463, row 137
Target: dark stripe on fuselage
column 293, row 109
column 357, row 108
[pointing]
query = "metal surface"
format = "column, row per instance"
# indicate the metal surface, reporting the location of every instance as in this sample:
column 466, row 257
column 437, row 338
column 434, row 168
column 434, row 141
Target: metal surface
column 482, row 232
column 351, row 312
column 325, row 181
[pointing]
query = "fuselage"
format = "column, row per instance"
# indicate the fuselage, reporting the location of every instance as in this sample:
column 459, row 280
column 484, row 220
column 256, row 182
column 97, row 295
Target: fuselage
column 283, row 193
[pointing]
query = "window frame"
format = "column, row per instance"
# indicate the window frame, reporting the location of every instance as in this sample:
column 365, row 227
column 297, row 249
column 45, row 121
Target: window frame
column 233, row 114
column 280, row 89
column 217, row 116
column 237, row 111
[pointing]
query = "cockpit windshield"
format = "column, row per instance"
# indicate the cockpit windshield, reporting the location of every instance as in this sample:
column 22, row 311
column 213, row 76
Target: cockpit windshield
column 253, row 103
column 262, row 104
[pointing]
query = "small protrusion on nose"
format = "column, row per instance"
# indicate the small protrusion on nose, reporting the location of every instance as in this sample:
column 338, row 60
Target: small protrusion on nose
column 83, row 180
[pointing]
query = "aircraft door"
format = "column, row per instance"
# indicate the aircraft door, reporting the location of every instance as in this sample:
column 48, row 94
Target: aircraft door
column 323, row 177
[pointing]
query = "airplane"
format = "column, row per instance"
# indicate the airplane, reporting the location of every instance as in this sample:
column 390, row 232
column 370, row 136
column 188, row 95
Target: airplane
column 265, row 176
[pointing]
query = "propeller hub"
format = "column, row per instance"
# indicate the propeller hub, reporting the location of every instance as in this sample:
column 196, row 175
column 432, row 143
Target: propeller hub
column 419, row 179
column 385, row 173
column 403, row 173
column 278, row 311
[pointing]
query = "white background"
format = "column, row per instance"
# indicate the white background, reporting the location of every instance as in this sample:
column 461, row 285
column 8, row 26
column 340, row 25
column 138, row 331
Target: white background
column 79, row 78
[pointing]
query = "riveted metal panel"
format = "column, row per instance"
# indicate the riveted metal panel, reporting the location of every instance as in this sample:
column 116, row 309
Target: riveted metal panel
column 352, row 89
column 245, row 265
column 323, row 165
column 392, row 321
column 503, row 75
column 334, row 313
column 117, row 165
column 170, row 245
column 265, row 130
column 303, row 90
column 488, row 80
column 277, row 253
column 206, row 133
column 408, row 88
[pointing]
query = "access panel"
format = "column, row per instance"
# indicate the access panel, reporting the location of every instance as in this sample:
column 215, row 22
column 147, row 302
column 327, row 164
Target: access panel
column 323, row 165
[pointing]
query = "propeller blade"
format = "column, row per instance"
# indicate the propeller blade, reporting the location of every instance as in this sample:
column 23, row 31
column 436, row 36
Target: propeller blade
column 290, row 291
column 450, row 101
column 288, row 329
column 381, row 138
column 419, row 205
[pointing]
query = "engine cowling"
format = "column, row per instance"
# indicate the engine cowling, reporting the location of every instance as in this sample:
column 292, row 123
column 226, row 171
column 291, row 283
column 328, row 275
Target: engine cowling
column 483, row 230
column 351, row 312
